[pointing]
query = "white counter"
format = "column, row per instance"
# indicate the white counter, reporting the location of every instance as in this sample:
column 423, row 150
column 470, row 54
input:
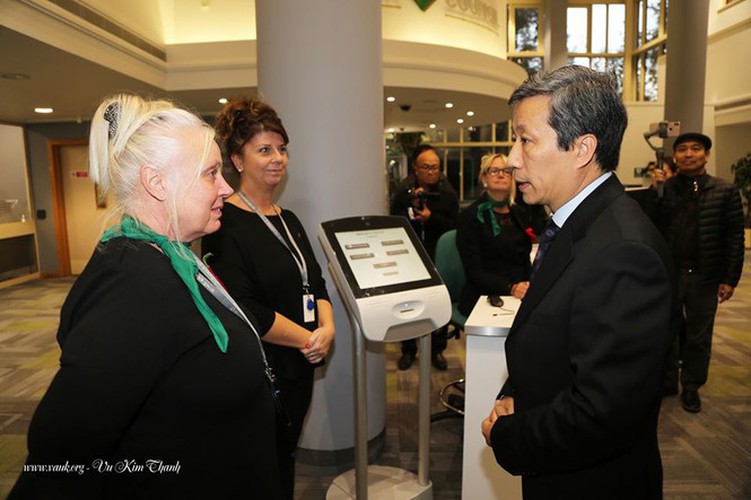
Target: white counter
column 486, row 330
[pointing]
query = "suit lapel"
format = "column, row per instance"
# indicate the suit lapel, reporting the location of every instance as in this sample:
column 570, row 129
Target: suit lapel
column 562, row 253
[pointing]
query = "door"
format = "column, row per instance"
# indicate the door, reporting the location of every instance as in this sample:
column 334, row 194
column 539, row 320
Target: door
column 79, row 217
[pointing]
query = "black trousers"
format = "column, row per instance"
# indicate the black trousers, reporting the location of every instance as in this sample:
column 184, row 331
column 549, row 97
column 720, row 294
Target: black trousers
column 296, row 395
column 692, row 348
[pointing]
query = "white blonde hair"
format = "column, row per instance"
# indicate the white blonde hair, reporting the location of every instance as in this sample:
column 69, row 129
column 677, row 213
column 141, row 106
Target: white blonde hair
column 485, row 164
column 128, row 132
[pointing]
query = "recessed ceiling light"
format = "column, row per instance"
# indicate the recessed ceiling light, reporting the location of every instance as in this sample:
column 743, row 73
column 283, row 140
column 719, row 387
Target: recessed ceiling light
column 15, row 76
column 43, row 110
column 223, row 100
column 391, row 130
column 449, row 105
column 470, row 113
column 391, row 98
column 432, row 125
column 460, row 120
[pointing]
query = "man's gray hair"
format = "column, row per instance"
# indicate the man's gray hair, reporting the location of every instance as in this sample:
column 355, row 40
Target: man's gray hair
column 582, row 101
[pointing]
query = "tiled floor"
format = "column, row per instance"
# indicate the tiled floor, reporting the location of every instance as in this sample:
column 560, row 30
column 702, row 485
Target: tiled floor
column 705, row 455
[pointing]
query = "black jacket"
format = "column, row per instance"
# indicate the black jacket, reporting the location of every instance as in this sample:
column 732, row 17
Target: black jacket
column 444, row 209
column 492, row 264
column 720, row 225
column 585, row 357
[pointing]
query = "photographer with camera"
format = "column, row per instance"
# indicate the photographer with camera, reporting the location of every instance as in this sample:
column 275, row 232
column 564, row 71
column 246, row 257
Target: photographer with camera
column 701, row 217
column 430, row 203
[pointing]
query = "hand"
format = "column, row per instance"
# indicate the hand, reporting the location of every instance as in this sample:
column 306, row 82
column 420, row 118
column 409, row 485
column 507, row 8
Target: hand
column 724, row 292
column 422, row 214
column 658, row 176
column 318, row 345
column 519, row 290
column 502, row 407
column 415, row 197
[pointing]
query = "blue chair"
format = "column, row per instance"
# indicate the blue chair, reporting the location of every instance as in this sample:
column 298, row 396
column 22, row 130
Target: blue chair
column 450, row 268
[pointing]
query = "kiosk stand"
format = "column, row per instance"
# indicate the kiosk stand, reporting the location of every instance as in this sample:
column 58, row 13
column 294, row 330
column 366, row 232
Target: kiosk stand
column 392, row 292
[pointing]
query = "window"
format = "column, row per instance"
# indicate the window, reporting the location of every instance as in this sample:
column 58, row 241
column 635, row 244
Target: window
column 650, row 44
column 525, row 35
column 461, row 151
column 595, row 36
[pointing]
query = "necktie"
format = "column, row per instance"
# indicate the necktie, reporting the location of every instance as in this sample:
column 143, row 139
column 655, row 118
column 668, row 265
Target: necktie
column 546, row 239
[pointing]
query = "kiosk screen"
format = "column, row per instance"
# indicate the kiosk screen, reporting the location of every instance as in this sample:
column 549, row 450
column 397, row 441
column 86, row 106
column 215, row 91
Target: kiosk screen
column 381, row 256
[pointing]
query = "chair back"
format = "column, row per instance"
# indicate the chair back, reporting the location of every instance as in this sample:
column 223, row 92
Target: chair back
column 449, row 264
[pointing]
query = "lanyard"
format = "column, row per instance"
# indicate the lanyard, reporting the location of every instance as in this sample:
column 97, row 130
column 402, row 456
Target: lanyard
column 212, row 285
column 296, row 254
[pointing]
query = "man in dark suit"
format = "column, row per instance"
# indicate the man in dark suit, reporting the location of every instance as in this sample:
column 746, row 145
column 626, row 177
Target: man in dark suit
column 577, row 417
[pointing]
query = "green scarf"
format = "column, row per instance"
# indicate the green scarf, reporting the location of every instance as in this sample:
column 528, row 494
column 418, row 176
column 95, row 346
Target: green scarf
column 185, row 267
column 487, row 207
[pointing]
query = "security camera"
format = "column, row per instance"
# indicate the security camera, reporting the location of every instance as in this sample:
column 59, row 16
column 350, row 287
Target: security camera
column 405, row 107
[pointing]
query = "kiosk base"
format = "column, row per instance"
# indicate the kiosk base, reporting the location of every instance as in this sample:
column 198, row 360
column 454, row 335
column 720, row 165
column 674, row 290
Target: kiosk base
column 384, row 483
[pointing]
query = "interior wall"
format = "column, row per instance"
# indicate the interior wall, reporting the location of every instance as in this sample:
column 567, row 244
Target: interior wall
column 728, row 87
column 13, row 166
column 635, row 152
column 732, row 143
column 37, row 136
column 442, row 24
column 728, row 71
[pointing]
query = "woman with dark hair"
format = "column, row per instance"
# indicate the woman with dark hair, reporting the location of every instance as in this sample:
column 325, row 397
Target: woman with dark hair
column 493, row 238
column 265, row 260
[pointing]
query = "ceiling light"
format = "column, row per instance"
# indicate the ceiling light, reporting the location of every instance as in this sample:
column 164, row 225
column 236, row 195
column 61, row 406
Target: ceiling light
column 391, row 98
column 460, row 121
column 449, row 105
column 43, row 110
column 432, row 125
column 223, row 100
column 470, row 113
column 15, row 76
column 391, row 130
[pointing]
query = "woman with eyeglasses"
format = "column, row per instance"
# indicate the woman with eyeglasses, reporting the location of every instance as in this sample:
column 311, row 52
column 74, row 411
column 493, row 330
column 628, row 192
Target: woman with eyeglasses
column 493, row 238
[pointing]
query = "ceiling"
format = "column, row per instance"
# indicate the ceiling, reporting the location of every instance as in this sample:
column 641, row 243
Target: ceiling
column 73, row 87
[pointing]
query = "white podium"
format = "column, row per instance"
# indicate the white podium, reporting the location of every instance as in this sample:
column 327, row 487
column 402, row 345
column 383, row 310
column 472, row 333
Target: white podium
column 486, row 330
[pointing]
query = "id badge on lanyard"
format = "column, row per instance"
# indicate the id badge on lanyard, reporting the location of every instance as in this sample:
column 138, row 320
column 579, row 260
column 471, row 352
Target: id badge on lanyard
column 308, row 307
column 308, row 299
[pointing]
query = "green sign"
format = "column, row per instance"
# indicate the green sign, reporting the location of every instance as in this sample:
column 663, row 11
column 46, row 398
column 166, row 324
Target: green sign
column 424, row 4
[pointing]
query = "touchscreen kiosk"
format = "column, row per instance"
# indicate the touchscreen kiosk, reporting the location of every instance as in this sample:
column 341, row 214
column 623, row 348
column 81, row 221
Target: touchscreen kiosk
column 386, row 276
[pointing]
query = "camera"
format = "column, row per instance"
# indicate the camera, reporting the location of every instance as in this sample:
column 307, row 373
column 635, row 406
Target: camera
column 663, row 130
column 405, row 107
column 421, row 195
column 418, row 198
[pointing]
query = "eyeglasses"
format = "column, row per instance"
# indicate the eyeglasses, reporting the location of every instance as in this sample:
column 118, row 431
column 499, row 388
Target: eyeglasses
column 495, row 171
column 429, row 168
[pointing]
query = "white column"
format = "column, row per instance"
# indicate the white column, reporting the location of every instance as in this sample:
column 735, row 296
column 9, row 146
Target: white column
column 320, row 67
column 556, row 52
column 686, row 64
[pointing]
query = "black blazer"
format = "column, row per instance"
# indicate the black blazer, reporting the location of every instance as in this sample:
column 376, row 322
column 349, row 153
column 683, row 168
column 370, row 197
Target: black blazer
column 492, row 264
column 585, row 357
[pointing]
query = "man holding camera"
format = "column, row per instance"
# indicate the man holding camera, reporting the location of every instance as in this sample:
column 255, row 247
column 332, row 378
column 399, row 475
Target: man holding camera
column 432, row 207
column 701, row 218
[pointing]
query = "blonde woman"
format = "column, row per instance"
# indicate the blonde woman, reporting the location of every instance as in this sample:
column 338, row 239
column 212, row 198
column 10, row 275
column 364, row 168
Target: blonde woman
column 162, row 390
column 493, row 238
